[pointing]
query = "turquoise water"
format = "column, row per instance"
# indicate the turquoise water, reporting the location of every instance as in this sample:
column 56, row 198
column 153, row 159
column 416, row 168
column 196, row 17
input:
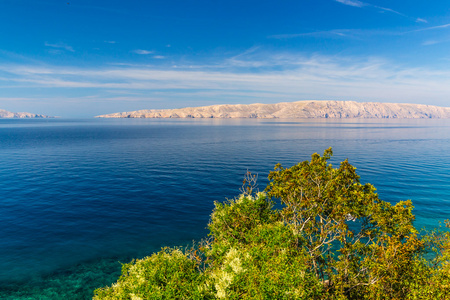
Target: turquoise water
column 77, row 197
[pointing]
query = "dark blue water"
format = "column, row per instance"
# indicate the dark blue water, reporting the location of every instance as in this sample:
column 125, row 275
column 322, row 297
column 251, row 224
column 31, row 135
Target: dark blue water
column 78, row 196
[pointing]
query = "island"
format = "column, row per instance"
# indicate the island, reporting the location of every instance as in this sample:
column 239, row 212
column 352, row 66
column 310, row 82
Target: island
column 20, row 115
column 297, row 110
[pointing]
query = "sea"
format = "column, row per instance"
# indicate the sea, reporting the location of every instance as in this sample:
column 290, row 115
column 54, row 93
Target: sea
column 80, row 197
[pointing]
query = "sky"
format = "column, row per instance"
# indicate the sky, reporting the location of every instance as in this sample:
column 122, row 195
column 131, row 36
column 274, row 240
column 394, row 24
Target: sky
column 81, row 58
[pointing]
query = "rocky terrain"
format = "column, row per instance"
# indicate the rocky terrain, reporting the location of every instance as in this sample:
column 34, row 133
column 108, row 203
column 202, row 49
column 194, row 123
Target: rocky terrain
column 24, row 115
column 296, row 110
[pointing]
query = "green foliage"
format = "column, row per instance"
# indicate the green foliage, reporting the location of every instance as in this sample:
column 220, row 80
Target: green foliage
column 233, row 219
column 253, row 255
column 332, row 238
column 320, row 204
column 435, row 272
column 168, row 274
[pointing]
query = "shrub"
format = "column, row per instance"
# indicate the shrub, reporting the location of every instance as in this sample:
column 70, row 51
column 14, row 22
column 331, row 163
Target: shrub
column 332, row 238
column 168, row 274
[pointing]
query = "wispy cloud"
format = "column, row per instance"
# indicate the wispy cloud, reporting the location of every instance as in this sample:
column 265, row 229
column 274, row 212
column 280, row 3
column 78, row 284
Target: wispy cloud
column 14, row 99
column 110, row 42
column 355, row 3
column 391, row 11
column 431, row 28
column 360, row 4
column 142, row 52
column 126, row 99
column 430, row 42
column 325, row 33
column 420, row 20
column 159, row 57
column 361, row 34
column 60, row 46
column 252, row 76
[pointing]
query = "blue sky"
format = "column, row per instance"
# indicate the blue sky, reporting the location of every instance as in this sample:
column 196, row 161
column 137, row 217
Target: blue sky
column 83, row 58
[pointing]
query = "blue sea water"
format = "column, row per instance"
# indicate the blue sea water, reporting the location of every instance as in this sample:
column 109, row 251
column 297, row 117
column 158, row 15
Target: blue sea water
column 77, row 197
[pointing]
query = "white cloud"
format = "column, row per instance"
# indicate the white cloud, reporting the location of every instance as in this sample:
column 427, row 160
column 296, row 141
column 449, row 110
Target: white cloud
column 354, row 3
column 60, row 46
column 430, row 42
column 389, row 10
column 159, row 57
column 434, row 42
column 127, row 99
column 110, row 42
column 327, row 33
column 14, row 99
column 359, row 34
column 251, row 76
column 360, row 4
column 142, row 52
column 432, row 28
column 420, row 20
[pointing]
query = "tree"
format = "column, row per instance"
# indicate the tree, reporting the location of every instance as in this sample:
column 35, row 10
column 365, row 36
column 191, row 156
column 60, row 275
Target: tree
column 332, row 238
column 353, row 239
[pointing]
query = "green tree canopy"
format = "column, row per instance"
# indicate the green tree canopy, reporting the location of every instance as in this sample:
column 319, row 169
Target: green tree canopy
column 331, row 238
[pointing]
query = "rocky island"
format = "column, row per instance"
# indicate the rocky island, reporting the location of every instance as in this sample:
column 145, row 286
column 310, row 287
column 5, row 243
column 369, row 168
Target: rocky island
column 297, row 110
column 20, row 115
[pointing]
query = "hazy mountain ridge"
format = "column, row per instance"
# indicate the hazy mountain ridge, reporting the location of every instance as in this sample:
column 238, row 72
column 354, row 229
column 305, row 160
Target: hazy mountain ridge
column 19, row 115
column 296, row 110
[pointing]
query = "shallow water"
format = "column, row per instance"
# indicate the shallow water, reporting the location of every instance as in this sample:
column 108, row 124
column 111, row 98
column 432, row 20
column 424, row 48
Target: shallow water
column 78, row 196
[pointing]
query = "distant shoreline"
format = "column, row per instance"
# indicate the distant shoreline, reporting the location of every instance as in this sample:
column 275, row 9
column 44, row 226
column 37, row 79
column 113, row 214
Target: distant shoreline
column 4, row 114
column 297, row 110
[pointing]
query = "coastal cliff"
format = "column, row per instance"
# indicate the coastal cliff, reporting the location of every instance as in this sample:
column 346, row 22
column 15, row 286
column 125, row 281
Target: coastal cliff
column 297, row 110
column 19, row 115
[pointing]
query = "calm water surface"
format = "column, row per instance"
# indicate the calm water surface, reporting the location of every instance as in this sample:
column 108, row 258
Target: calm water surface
column 77, row 197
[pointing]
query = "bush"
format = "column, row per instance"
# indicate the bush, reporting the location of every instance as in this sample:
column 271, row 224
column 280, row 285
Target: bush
column 168, row 274
column 332, row 238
